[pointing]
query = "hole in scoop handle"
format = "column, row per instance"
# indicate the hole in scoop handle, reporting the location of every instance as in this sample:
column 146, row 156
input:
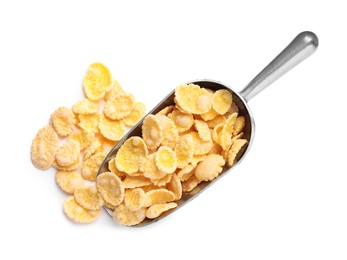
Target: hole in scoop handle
column 299, row 49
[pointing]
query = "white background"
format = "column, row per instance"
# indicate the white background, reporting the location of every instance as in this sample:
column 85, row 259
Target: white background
column 287, row 199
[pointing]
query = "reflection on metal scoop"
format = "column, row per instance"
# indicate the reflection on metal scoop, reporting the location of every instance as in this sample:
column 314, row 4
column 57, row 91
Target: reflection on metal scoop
column 299, row 49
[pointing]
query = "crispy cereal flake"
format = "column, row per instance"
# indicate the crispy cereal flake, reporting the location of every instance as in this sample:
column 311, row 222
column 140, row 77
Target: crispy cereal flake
column 134, row 199
column 169, row 131
column 131, row 182
column 119, row 106
column 85, row 107
column 183, row 121
column 221, row 101
column 239, row 125
column 91, row 149
column 97, row 82
column 227, row 132
column 186, row 172
column 68, row 153
column 165, row 159
column 151, row 131
column 85, row 138
column 190, row 184
column 175, row 186
column 150, row 169
column 156, row 210
column 111, row 129
column 234, row 150
column 166, row 110
column 89, row 122
column 210, row 167
column 162, row 181
column 185, row 150
column 77, row 213
column 136, row 114
column 203, row 130
column 69, row 181
column 122, row 215
column 63, row 120
column 110, row 188
column 158, row 196
column 201, row 146
column 116, row 89
column 74, row 166
column 88, row 197
column 91, row 166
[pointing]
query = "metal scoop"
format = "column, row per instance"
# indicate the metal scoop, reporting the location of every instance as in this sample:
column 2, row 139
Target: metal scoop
column 299, row 49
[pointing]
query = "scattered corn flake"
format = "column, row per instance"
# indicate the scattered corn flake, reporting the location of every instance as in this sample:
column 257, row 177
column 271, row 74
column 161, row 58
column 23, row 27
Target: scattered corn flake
column 165, row 159
column 85, row 138
column 158, row 196
column 190, row 184
column 151, row 131
column 156, row 210
column 211, row 114
column 106, row 144
column 184, row 150
column 166, row 110
column 210, row 167
column 203, row 130
column 221, row 101
column 227, row 132
column 119, row 106
column 175, row 186
column 111, row 129
column 74, row 166
column 68, row 153
column 149, row 167
column 77, row 213
column 216, row 121
column 129, row 155
column 183, row 121
column 85, row 107
column 122, row 215
column 131, row 182
column 97, row 82
column 193, row 99
column 234, row 150
column 90, row 167
column 44, row 147
column 201, row 146
column 88, row 197
column 186, row 172
column 136, row 114
column 91, row 149
column 69, row 181
column 169, row 131
column 162, row 181
column 113, row 168
column 134, row 199
column 63, row 120
column 110, row 188
column 116, row 89
column 89, row 122
column 239, row 125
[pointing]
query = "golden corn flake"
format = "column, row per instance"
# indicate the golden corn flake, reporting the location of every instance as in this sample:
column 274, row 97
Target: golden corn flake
column 190, row 184
column 150, row 169
column 119, row 106
column 85, row 107
column 88, row 197
column 216, row 149
column 227, row 132
column 151, row 131
column 203, row 130
column 91, row 149
column 122, row 215
column 89, row 122
column 183, row 121
column 186, row 172
column 68, row 153
column 216, row 133
column 233, row 109
column 185, row 150
column 134, row 199
column 175, row 186
column 63, row 120
column 77, row 213
column 165, row 159
column 150, row 187
column 130, row 154
column 211, row 114
column 44, row 147
column 116, row 89
column 90, row 167
column 131, row 182
column 198, row 158
column 169, row 131
column 239, row 125
column 108, row 205
column 156, row 210
column 162, row 181
column 136, row 114
column 113, row 168
column 201, row 146
column 193, row 99
column 216, row 121
column 235, row 149
column 74, row 166
column 111, row 129
column 166, row 110
column 106, row 145
column 158, row 196
column 110, row 188
column 221, row 101
column 85, row 138
column 209, row 168
column 69, row 181
column 97, row 82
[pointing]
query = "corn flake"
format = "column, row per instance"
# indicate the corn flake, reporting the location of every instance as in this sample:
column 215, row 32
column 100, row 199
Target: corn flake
column 116, row 89
column 156, row 210
column 235, row 149
column 239, row 125
column 134, row 199
column 190, row 184
column 77, row 213
column 111, row 129
column 184, row 150
column 175, row 186
column 221, row 101
column 201, row 146
column 151, row 131
column 209, row 168
column 211, row 114
column 186, row 172
column 203, row 130
column 110, row 188
column 227, row 132
column 166, row 110
column 88, row 197
column 97, row 82
column 169, row 131
column 85, row 107
column 89, row 122
column 131, row 182
column 85, row 138
column 216, row 121
column 165, row 159
column 68, row 153
column 113, row 168
column 149, row 167
column 74, row 166
column 69, row 181
column 136, row 114
column 158, row 196
column 91, row 149
column 90, row 167
column 63, row 120
column 122, row 215
column 119, row 106
column 162, row 181
column 183, row 121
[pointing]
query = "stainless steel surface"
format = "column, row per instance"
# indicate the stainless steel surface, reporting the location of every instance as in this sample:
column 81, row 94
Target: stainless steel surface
column 299, row 49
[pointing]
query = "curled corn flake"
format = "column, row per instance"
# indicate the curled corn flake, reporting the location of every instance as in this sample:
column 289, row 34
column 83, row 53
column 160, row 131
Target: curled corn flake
column 85, row 138
column 216, row 121
column 75, row 165
column 203, row 130
column 44, row 147
column 185, row 150
column 183, row 121
column 135, row 182
column 216, row 133
column 179, row 107
column 116, row 89
column 122, row 215
column 198, row 158
column 169, row 131
column 97, row 82
column 119, row 106
column 69, row 181
column 136, row 114
column 165, row 159
column 193, row 99
column 216, row 149
column 210, row 167
column 166, row 110
column 91, row 166
column 110, row 188
column 91, row 149
column 108, row 205
column 134, row 199
column 156, row 210
column 162, row 181
column 63, row 121
column 151, row 131
column 227, row 132
column 111, row 129
column 211, row 114
column 234, row 150
column 77, row 213
column 89, row 122
column 239, row 125
column 150, row 187
column 190, row 184
column 130, row 154
column 68, row 153
column 150, row 169
column 186, row 172
column 175, row 186
column 158, row 196
column 113, row 168
column 85, row 107
column 88, row 197
column 201, row 146
column 106, row 144
column 221, row 101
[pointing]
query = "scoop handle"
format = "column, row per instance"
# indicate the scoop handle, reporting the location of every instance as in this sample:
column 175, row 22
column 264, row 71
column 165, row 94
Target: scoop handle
column 298, row 50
